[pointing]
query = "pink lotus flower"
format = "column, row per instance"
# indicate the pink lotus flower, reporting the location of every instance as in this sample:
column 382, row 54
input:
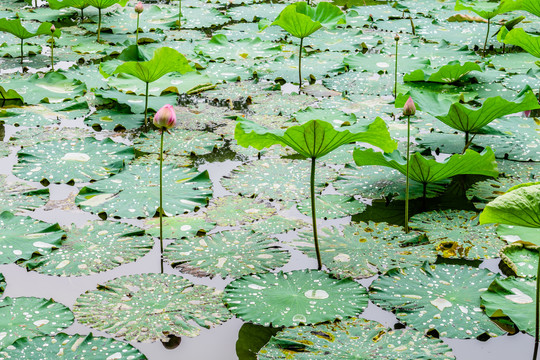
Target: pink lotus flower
column 409, row 108
column 165, row 118
column 139, row 8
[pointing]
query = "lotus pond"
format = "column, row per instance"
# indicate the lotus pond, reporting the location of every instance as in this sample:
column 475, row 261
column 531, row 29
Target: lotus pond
column 344, row 180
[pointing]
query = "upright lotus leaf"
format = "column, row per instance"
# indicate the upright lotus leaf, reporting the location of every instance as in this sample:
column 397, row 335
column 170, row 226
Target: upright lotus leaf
column 529, row 43
column 314, row 138
column 441, row 298
column 226, row 254
column 75, row 346
column 519, row 206
column 132, row 193
column 21, row 237
column 361, row 250
column 27, row 317
column 448, row 74
column 531, row 6
column 77, row 4
column 301, row 20
column 149, row 307
column 96, row 247
column 353, row 339
column 15, row 27
column 165, row 60
column 457, row 234
column 427, row 171
column 76, row 161
column 294, row 298
column 512, row 298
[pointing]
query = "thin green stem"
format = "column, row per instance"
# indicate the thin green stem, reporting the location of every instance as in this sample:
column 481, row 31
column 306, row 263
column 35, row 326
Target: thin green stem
column 179, row 14
column 413, row 29
column 82, row 14
column 487, row 36
column 395, row 71
column 52, row 53
column 146, row 109
column 137, row 33
column 407, row 176
column 99, row 24
column 161, row 200
column 300, row 66
column 22, row 54
column 314, row 214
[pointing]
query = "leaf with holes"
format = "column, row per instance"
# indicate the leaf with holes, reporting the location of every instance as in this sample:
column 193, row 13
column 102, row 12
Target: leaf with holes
column 149, row 307
column 333, row 206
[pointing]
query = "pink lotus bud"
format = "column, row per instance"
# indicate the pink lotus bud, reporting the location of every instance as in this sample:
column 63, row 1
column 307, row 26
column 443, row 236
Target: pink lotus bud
column 396, row 37
column 53, row 28
column 139, row 8
column 165, row 118
column 527, row 113
column 409, row 108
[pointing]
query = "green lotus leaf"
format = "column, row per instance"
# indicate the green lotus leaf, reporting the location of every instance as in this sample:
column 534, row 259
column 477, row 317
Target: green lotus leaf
column 76, row 161
column 103, row 4
column 512, row 233
column 237, row 210
column 519, row 206
column 457, row 234
column 15, row 27
column 511, row 298
column 427, row 171
column 93, row 248
column 485, row 9
column 333, row 116
column 333, row 206
column 277, row 179
column 136, row 103
column 148, row 307
column 353, row 339
column 112, row 119
column 251, row 338
column 531, row 6
column 301, row 20
column 219, row 47
column 39, row 135
column 182, row 226
column 60, row 4
column 76, row 346
column 165, row 60
column 441, row 298
column 189, row 83
column 294, row 298
column 276, row 224
column 19, row 196
column 529, row 43
column 22, row 237
column 179, row 142
column 361, row 250
column 521, row 259
column 448, row 74
column 27, row 317
column 134, row 192
column 226, row 254
column 315, row 138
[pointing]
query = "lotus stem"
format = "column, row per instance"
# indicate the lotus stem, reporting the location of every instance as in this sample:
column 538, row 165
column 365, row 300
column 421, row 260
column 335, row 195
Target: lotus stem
column 466, row 138
column 146, row 109
column 396, row 69
column 300, row 66
column 314, row 214
column 22, row 54
column 52, row 53
column 137, row 33
column 424, row 196
column 161, row 200
column 537, row 311
column 487, row 36
column 99, row 24
column 82, row 14
column 179, row 14
column 407, row 176
column 412, row 25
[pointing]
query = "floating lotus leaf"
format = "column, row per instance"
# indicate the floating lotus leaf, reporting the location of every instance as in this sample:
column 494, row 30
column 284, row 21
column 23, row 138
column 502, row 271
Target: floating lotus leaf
column 76, row 161
column 18, row 196
column 202, row 116
column 276, row 224
column 519, row 206
column 21, row 237
column 220, row 48
column 277, row 179
column 112, row 119
column 38, row 135
column 28, row 116
column 332, row 206
column 444, row 298
column 237, row 210
column 149, row 307
column 176, row 161
column 513, row 233
column 255, row 12
column 511, row 298
column 251, row 338
column 84, row 347
column 448, row 74
column 340, row 156
column 458, row 234
column 427, row 171
column 521, row 258
column 333, row 116
column 353, row 338
column 294, row 298
column 27, row 317
column 97, row 247
column 276, row 103
column 134, row 192
column 199, row 17
column 485, row 191
column 189, row 83
column 379, row 182
column 361, row 250
column 226, row 254
column 180, row 142
column 136, row 103
column 182, row 226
